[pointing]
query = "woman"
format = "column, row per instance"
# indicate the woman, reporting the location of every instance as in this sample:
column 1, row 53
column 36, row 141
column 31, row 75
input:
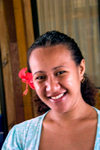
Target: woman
column 66, row 95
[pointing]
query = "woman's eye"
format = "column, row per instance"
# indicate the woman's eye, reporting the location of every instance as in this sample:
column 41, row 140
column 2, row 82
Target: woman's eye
column 60, row 73
column 40, row 78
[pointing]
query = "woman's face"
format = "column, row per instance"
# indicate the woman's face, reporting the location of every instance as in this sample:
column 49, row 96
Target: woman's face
column 56, row 77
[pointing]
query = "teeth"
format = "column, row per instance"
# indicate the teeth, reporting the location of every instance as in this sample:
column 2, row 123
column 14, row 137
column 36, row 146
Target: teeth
column 56, row 97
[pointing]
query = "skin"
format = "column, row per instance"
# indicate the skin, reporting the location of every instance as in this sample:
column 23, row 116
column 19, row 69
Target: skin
column 57, row 81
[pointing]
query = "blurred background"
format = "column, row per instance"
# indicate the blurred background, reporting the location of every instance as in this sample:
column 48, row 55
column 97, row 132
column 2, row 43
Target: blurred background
column 21, row 22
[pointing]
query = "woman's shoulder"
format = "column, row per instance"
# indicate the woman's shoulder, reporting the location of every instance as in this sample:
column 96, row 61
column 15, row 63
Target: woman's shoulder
column 97, row 140
column 23, row 133
column 32, row 122
column 98, row 119
column 98, row 111
column 29, row 126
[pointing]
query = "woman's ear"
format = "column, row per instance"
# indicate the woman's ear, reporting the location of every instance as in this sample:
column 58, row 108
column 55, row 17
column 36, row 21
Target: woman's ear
column 82, row 69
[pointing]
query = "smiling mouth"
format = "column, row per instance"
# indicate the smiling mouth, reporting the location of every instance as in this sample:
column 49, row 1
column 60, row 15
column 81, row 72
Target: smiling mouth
column 58, row 97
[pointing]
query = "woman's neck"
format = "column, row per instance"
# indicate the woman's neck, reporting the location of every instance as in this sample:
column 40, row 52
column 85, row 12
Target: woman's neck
column 78, row 112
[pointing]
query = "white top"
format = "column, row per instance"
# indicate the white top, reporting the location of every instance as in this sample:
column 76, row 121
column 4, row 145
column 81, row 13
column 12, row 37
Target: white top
column 26, row 135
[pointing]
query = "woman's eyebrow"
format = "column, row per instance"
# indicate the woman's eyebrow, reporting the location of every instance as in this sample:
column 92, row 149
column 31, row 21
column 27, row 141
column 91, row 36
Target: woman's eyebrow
column 58, row 67
column 38, row 72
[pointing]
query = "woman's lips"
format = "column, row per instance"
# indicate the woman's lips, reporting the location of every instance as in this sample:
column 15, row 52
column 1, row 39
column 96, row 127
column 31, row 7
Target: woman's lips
column 57, row 98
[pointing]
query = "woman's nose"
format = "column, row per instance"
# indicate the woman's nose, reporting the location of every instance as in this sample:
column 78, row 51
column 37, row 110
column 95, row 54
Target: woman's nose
column 52, row 85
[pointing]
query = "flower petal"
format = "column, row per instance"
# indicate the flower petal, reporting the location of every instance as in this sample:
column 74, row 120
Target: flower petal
column 27, row 78
column 22, row 73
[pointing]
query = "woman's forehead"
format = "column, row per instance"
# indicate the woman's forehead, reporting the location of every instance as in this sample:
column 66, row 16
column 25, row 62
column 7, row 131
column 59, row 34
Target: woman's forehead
column 50, row 57
column 51, row 50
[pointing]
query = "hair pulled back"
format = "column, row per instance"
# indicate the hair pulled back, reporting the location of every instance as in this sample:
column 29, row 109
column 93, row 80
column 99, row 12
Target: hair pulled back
column 53, row 38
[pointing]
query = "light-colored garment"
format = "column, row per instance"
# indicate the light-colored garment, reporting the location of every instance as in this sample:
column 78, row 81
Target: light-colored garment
column 26, row 135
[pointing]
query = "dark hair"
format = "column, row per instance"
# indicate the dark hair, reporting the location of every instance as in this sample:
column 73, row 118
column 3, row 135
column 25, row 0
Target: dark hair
column 53, row 38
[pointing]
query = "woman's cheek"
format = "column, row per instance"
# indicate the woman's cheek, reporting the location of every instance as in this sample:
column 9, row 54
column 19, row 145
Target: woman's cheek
column 37, row 86
column 68, row 81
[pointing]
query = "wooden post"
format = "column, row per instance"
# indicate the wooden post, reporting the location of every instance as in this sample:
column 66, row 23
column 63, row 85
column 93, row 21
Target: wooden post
column 22, row 49
column 28, row 22
column 7, row 74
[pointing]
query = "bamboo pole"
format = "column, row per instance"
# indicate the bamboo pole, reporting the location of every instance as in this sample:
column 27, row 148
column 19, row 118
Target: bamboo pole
column 28, row 22
column 30, row 37
column 22, row 49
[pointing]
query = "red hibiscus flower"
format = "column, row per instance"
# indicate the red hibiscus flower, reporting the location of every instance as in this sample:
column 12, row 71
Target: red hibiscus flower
column 26, row 78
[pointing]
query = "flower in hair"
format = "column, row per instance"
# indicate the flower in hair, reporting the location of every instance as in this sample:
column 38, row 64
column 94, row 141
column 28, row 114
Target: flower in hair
column 27, row 78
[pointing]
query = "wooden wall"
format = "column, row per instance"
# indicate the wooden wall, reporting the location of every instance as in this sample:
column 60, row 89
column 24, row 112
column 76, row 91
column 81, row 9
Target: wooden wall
column 16, row 35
